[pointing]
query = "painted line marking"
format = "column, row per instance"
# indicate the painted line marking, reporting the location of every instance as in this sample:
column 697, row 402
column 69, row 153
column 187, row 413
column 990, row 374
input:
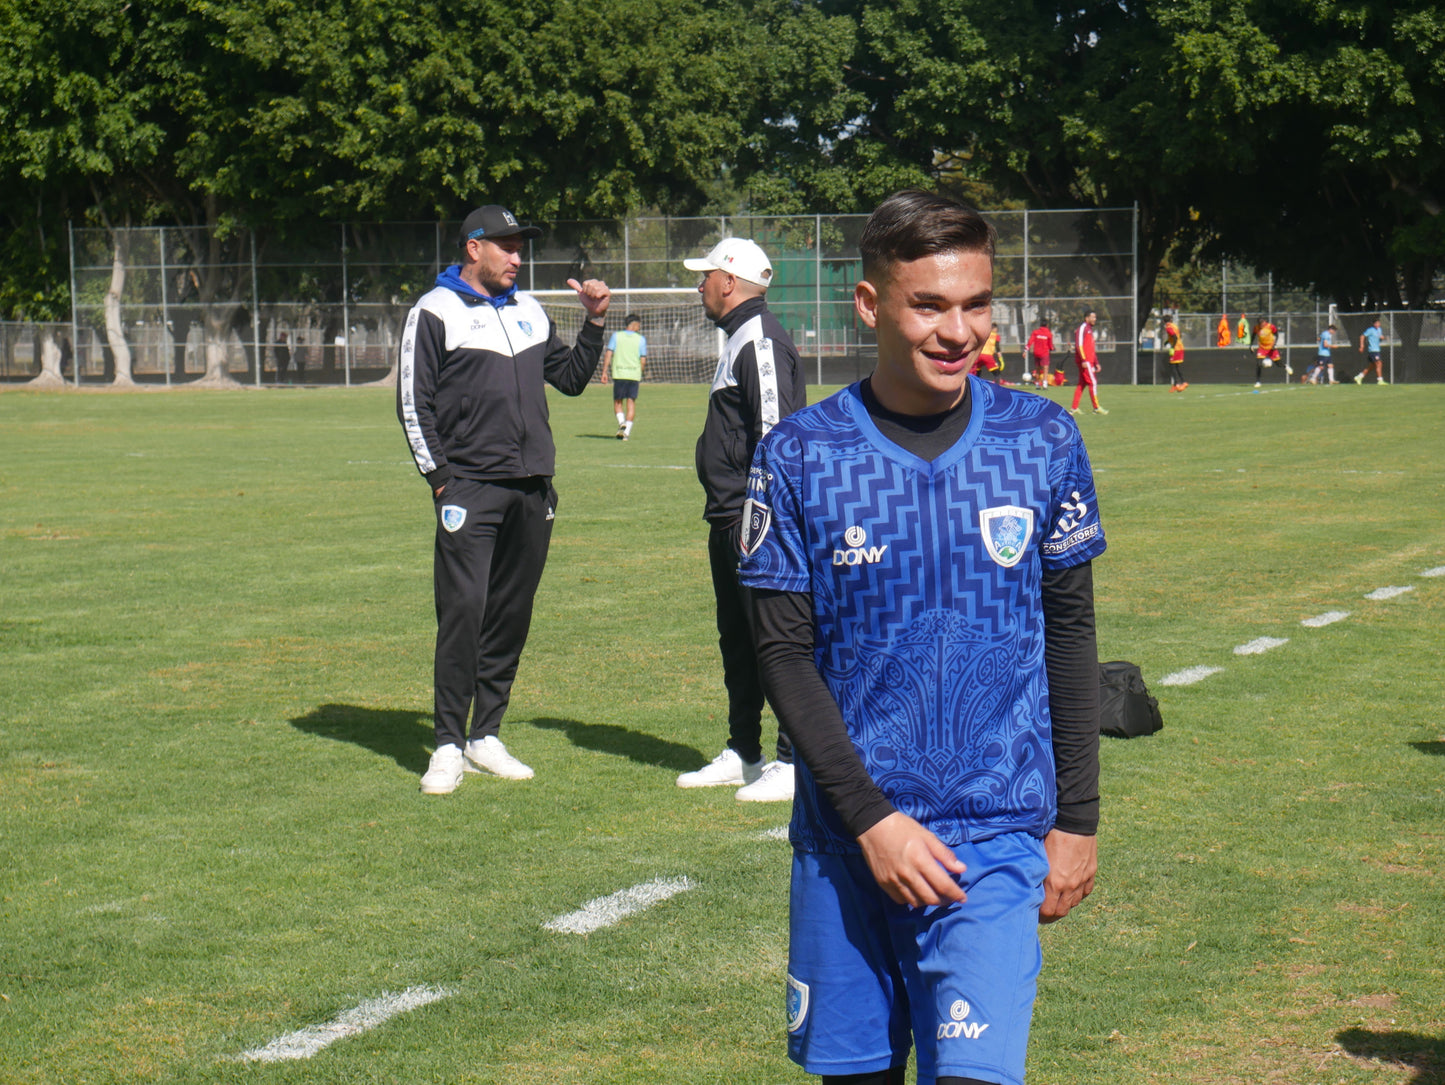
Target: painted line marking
column 1389, row 593
column 605, row 911
column 304, row 1043
column 1188, row 676
column 1329, row 617
column 1439, row 570
column 1258, row 645
column 778, row 833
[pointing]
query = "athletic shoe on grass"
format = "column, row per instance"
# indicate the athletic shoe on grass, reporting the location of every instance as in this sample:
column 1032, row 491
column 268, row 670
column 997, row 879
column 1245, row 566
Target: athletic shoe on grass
column 727, row 769
column 444, row 772
column 489, row 754
column 774, row 785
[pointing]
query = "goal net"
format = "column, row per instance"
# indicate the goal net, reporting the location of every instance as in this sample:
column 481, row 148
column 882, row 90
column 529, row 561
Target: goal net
column 682, row 343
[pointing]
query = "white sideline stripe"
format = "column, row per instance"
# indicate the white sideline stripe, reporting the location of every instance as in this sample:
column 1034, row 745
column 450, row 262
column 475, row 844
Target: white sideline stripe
column 1258, row 645
column 1439, row 570
column 1389, row 593
column 605, row 911
column 304, row 1043
column 778, row 833
column 1188, row 676
column 1329, row 617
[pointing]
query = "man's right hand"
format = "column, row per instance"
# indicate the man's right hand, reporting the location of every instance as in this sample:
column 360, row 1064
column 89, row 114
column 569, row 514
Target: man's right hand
column 911, row 864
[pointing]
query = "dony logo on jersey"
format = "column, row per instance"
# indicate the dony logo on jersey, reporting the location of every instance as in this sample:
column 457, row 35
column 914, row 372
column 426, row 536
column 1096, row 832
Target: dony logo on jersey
column 959, row 1025
column 855, row 551
column 453, row 517
column 1006, row 531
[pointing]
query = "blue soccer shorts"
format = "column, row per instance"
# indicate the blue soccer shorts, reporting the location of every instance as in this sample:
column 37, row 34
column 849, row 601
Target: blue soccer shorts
column 868, row 978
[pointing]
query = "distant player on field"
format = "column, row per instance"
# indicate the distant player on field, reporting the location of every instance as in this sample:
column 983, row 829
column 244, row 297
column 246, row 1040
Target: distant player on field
column 626, row 357
column 1323, row 371
column 1175, row 343
column 1086, row 358
column 1266, row 351
column 990, row 358
column 920, row 546
column 1370, row 346
column 1041, row 346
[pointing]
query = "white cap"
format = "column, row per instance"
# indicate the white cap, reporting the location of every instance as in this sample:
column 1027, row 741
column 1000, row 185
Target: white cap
column 736, row 256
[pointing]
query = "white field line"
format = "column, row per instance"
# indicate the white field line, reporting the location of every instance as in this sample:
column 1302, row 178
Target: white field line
column 778, row 833
column 1188, row 676
column 1258, row 645
column 1389, row 593
column 1329, row 617
column 1439, row 570
column 305, row 1042
column 605, row 911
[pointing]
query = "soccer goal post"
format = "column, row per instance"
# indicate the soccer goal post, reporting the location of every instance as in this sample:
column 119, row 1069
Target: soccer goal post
column 682, row 343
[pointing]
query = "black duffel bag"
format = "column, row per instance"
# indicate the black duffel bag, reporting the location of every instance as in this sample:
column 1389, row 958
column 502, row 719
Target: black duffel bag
column 1125, row 707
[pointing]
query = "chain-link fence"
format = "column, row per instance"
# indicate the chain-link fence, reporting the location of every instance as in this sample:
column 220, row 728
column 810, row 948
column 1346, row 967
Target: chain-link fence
column 174, row 305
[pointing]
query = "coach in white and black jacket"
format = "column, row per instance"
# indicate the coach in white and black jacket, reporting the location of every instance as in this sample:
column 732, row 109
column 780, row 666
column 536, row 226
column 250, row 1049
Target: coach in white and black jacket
column 475, row 358
column 759, row 379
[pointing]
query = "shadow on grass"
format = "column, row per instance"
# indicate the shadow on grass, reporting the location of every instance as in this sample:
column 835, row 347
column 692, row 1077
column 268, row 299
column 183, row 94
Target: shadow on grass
column 405, row 737
column 1407, row 1050
column 633, row 745
column 1434, row 749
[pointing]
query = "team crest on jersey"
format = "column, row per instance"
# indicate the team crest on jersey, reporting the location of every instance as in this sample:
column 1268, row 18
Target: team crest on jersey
column 1006, row 530
column 757, row 518
column 797, row 1004
column 526, row 326
column 453, row 517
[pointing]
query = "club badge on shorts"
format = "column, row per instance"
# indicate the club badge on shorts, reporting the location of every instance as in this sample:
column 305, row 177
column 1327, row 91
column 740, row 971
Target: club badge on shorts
column 1006, row 530
column 797, row 1004
column 453, row 517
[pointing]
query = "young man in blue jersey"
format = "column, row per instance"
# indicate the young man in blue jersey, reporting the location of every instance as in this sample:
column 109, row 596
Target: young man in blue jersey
column 919, row 548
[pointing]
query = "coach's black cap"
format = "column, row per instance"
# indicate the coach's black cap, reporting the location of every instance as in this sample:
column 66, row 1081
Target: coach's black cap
column 494, row 222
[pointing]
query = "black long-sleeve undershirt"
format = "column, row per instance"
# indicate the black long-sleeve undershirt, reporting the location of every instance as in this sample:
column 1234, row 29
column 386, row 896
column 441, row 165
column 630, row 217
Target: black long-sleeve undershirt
column 783, row 627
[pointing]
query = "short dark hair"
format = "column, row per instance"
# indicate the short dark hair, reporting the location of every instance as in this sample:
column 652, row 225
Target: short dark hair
column 912, row 224
column 632, row 317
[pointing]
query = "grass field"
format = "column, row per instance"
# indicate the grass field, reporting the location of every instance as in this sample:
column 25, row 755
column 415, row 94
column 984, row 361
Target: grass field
column 215, row 642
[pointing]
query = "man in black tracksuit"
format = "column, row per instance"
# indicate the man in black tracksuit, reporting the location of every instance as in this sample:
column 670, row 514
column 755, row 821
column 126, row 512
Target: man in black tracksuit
column 759, row 380
column 471, row 396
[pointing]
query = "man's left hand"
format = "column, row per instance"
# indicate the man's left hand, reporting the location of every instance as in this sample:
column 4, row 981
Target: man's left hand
column 593, row 294
column 1073, row 861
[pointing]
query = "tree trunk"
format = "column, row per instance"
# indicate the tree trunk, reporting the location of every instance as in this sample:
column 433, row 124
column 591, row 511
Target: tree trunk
column 47, row 340
column 219, row 338
column 114, row 326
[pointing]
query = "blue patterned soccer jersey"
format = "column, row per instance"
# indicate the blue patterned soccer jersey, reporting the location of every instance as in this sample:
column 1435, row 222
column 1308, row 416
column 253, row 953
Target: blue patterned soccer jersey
column 925, row 580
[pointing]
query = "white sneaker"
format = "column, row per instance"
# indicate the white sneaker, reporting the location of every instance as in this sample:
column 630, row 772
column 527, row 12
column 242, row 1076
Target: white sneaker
column 726, row 769
column 1359, row 378
column 1288, row 372
column 489, row 753
column 774, row 785
column 445, row 770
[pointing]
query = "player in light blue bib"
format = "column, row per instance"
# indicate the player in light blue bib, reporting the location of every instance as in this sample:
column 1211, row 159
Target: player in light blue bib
column 919, row 548
column 1371, row 343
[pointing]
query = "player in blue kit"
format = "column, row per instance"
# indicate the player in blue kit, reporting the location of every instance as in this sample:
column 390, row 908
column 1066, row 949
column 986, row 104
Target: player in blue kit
column 919, row 547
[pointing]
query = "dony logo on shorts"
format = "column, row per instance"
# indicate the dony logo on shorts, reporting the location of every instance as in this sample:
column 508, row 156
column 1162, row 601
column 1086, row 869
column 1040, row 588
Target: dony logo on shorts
column 855, row 552
column 959, row 1026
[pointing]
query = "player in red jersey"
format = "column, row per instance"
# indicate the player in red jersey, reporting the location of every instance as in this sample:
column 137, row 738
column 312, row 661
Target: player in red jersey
column 1041, row 345
column 1087, row 359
